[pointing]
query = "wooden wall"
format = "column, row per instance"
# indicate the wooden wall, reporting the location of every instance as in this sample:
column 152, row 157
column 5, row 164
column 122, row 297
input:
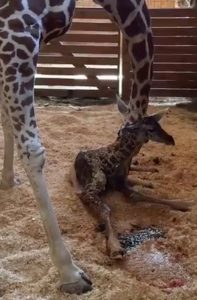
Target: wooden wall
column 175, row 61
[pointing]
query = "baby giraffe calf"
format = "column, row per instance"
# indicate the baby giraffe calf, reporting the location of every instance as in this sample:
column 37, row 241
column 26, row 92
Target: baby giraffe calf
column 107, row 168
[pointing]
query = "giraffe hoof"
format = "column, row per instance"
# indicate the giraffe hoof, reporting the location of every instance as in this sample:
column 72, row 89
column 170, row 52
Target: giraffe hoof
column 118, row 254
column 83, row 285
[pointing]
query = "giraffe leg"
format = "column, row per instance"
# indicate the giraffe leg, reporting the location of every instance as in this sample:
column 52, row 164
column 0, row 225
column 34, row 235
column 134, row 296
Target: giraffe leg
column 143, row 169
column 90, row 197
column 142, row 183
column 19, row 95
column 8, row 179
column 174, row 203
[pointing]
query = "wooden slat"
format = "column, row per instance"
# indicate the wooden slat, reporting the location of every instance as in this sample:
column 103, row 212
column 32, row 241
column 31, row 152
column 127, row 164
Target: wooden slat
column 93, row 38
column 170, row 13
column 74, row 82
column 77, row 60
column 181, row 31
column 173, row 93
column 175, row 58
column 90, row 13
column 175, row 76
column 64, row 49
column 175, row 49
column 93, row 26
column 173, row 22
column 174, row 84
column 175, row 41
column 175, row 67
column 76, row 71
column 75, row 93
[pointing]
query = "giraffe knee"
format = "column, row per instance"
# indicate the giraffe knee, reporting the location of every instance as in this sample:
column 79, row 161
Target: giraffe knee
column 33, row 155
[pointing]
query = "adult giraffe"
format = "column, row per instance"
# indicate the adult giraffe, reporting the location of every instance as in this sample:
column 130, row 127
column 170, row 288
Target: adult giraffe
column 24, row 24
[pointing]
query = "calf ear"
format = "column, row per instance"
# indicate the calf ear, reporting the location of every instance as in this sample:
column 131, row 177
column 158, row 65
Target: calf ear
column 160, row 114
column 122, row 107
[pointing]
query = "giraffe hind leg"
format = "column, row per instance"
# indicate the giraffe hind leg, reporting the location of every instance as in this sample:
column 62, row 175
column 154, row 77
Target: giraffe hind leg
column 91, row 198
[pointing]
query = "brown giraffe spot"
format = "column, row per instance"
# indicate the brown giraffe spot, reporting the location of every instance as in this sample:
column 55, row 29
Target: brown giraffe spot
column 15, row 108
column 56, row 33
column 54, row 20
column 16, row 101
column 17, row 4
column 21, row 54
column 10, row 78
column 6, row 58
column 17, row 126
column 15, row 87
column 139, row 50
column 23, row 139
column 25, row 41
column 36, row 6
column 22, row 118
column 10, row 71
column 35, row 59
column 16, row 25
column 29, row 20
column 32, row 123
column 144, row 109
column 23, row 67
column 8, row 47
column 1, row 24
column 27, row 101
column 145, row 90
column 7, row 88
column 124, row 8
column 136, row 27
column 31, row 134
column 134, row 90
column 31, row 114
column 3, row 34
column 142, row 74
column 26, row 85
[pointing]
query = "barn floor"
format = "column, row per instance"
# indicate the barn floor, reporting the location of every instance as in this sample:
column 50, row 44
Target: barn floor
column 157, row 270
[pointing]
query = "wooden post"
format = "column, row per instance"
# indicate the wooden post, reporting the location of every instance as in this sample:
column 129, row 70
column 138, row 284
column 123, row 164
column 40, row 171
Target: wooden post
column 125, row 70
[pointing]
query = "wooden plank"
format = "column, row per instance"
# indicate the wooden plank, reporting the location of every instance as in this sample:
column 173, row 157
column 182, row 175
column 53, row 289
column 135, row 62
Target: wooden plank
column 172, row 13
column 91, row 13
column 77, row 71
column 174, row 84
column 77, row 25
column 174, row 40
column 181, row 31
column 75, row 93
column 76, row 82
column 93, row 38
column 175, row 49
column 175, row 76
column 175, row 67
column 54, row 47
column 173, row 93
column 174, row 22
column 175, row 58
column 77, row 60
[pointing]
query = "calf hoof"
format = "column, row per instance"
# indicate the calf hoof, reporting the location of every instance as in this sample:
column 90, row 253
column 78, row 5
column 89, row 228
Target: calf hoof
column 116, row 255
column 83, row 285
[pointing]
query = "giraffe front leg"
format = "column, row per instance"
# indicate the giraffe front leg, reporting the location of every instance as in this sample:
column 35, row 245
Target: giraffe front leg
column 8, row 179
column 72, row 278
column 98, row 207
